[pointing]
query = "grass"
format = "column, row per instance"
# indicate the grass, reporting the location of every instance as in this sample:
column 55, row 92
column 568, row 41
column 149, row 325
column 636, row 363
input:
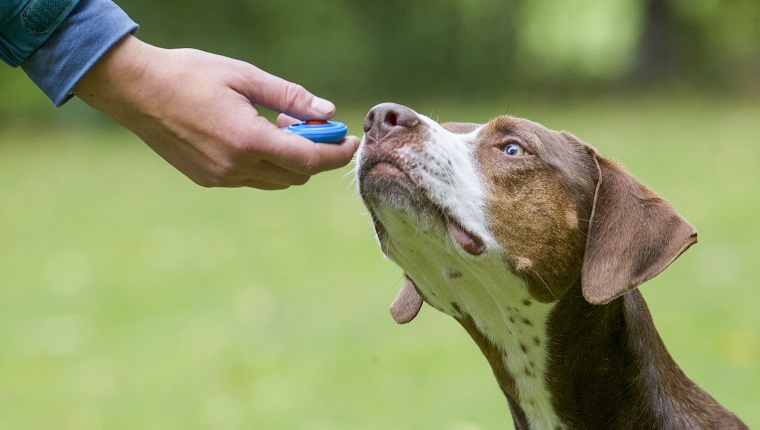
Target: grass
column 131, row 298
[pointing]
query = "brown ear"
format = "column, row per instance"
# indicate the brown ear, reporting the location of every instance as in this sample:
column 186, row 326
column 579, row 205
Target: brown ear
column 633, row 235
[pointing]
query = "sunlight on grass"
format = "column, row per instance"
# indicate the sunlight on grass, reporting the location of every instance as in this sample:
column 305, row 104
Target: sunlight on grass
column 132, row 298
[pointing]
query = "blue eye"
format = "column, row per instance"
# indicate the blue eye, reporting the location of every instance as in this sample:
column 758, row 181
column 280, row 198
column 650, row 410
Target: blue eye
column 514, row 150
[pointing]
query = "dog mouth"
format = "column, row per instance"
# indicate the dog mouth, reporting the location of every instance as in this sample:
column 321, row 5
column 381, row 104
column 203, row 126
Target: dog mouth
column 470, row 242
column 388, row 172
column 385, row 168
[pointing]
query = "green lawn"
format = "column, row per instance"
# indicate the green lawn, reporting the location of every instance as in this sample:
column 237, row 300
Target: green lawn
column 132, row 299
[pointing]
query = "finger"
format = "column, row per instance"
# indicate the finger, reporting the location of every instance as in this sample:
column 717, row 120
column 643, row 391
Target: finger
column 262, row 185
column 301, row 155
column 283, row 96
column 268, row 172
column 285, row 120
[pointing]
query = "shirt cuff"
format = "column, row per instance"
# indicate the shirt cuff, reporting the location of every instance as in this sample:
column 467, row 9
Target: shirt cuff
column 26, row 24
column 92, row 28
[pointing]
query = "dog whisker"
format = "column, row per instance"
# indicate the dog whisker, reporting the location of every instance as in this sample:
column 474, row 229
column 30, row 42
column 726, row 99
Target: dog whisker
column 545, row 285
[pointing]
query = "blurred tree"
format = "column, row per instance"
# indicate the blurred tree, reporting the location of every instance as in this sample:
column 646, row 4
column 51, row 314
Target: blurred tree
column 432, row 47
column 578, row 40
column 713, row 42
column 368, row 50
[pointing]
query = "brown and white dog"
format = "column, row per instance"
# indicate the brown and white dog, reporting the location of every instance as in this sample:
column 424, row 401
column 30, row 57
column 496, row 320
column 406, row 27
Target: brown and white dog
column 536, row 245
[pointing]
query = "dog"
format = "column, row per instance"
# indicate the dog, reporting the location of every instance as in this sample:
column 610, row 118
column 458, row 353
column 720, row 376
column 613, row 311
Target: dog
column 536, row 245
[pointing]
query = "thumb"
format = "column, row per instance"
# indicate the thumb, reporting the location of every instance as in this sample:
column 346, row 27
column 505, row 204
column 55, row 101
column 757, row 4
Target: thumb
column 285, row 97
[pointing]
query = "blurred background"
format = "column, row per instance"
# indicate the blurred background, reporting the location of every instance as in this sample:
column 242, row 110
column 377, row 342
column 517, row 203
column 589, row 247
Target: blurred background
column 131, row 298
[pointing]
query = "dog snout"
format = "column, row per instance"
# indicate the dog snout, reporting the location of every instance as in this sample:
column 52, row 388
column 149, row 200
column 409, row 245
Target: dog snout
column 388, row 117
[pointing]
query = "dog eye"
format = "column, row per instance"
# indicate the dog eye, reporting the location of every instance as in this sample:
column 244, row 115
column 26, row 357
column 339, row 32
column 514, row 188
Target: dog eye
column 514, row 150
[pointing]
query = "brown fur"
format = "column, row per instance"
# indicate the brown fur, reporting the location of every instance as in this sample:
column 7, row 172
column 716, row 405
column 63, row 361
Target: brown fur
column 634, row 235
column 532, row 197
column 583, row 233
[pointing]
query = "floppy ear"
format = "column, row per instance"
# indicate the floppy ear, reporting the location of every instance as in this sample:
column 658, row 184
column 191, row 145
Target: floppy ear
column 633, row 235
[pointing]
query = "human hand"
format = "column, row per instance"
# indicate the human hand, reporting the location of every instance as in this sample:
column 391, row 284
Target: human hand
column 195, row 109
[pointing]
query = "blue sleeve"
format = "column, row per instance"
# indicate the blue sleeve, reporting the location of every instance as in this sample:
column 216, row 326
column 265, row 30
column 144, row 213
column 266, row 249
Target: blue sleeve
column 90, row 30
column 26, row 24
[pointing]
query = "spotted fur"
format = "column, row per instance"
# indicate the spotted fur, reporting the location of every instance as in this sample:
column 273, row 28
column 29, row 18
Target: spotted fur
column 537, row 253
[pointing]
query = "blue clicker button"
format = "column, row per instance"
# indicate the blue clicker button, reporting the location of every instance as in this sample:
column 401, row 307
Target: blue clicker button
column 319, row 131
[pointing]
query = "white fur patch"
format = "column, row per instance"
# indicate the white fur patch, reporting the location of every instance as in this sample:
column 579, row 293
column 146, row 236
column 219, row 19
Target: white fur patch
column 492, row 296
column 523, row 263
column 572, row 219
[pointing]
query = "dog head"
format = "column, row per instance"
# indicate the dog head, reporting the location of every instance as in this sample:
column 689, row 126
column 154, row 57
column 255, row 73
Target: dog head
column 509, row 201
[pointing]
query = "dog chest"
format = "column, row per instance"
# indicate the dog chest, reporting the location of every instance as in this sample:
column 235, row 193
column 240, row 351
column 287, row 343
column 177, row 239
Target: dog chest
column 494, row 306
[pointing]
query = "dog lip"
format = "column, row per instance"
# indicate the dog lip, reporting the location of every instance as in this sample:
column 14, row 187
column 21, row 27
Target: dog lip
column 387, row 166
column 386, row 169
column 470, row 242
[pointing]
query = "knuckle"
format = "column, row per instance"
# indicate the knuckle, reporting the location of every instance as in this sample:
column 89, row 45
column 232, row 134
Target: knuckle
column 203, row 178
column 221, row 174
column 225, row 171
column 206, row 182
column 302, row 180
column 311, row 166
column 293, row 92
column 236, row 144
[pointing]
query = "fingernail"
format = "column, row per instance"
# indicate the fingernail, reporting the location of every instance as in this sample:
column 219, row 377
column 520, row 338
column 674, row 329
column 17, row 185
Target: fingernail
column 322, row 106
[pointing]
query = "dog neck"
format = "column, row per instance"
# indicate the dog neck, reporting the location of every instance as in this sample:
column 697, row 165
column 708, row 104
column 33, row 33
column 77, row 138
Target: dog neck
column 564, row 364
column 588, row 366
column 495, row 307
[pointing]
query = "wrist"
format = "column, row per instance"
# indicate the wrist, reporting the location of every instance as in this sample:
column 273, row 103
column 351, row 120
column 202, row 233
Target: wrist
column 114, row 82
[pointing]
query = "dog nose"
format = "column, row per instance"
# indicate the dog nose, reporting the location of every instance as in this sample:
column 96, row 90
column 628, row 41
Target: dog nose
column 386, row 117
